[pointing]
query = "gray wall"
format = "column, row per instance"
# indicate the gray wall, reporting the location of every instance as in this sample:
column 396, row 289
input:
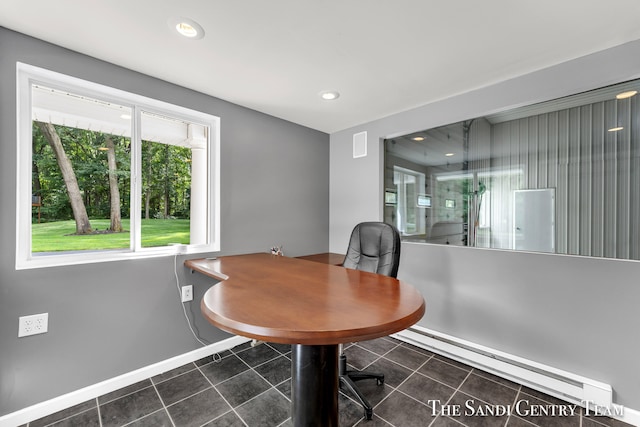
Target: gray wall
column 107, row 319
column 572, row 313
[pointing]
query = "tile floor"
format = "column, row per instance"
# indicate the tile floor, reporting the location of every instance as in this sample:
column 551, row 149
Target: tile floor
column 250, row 386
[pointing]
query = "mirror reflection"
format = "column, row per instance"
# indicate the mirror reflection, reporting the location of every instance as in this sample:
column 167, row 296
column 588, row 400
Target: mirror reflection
column 559, row 177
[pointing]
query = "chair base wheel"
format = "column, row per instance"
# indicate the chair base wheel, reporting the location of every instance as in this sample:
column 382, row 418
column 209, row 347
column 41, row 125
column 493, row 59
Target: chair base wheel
column 348, row 381
column 368, row 414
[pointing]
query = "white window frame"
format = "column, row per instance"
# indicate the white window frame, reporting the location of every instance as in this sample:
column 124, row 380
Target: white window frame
column 28, row 75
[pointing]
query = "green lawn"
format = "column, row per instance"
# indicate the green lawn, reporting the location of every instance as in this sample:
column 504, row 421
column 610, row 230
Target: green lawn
column 58, row 236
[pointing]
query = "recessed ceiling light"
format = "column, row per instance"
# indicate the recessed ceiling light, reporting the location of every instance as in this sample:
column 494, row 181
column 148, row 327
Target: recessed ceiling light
column 625, row 95
column 615, row 129
column 329, row 95
column 418, row 138
column 186, row 27
column 450, row 154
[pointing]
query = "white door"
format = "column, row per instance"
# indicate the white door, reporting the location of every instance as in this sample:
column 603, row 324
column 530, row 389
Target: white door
column 534, row 220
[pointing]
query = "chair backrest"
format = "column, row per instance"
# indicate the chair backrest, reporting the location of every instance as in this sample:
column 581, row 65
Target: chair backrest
column 374, row 247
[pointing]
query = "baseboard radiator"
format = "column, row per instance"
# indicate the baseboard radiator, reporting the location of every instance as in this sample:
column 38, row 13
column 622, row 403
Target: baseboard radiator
column 554, row 382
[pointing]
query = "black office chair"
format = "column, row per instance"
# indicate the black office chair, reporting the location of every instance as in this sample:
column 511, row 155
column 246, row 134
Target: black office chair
column 373, row 247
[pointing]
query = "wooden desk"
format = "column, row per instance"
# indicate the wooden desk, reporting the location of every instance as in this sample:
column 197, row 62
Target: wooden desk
column 314, row 307
column 325, row 258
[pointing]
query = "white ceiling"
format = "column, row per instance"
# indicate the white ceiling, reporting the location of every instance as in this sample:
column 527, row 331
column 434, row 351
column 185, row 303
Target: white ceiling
column 382, row 56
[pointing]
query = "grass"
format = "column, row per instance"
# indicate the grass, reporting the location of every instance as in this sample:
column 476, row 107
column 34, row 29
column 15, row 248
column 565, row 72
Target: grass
column 58, row 236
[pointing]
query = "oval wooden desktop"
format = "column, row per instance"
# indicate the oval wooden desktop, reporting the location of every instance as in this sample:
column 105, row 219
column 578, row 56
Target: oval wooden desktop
column 292, row 301
column 312, row 306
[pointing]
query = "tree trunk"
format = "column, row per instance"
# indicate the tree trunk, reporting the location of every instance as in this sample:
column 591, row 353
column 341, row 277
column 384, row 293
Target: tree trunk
column 147, row 202
column 114, row 191
column 36, row 186
column 167, row 182
column 83, row 226
column 149, row 176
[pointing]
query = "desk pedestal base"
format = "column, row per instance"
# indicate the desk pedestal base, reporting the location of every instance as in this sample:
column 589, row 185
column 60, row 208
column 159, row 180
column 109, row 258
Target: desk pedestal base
column 314, row 385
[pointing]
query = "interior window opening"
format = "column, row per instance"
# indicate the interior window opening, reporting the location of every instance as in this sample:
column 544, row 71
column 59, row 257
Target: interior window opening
column 561, row 176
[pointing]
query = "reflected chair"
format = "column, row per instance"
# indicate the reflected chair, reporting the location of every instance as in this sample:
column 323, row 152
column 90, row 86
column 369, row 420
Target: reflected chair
column 373, row 247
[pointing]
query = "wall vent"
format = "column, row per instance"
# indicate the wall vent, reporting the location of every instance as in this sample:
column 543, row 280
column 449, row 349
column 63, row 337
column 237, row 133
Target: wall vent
column 359, row 144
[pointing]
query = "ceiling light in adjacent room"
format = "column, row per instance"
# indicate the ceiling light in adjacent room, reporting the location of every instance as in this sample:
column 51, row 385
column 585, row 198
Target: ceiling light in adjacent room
column 187, row 27
column 329, row 95
column 418, row 138
column 615, row 129
column 450, row 154
column 625, row 95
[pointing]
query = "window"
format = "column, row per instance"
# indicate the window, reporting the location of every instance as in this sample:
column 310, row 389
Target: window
column 106, row 175
column 410, row 216
column 561, row 176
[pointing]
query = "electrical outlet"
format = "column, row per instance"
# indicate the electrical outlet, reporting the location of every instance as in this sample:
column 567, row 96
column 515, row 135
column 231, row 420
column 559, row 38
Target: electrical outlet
column 187, row 293
column 32, row 325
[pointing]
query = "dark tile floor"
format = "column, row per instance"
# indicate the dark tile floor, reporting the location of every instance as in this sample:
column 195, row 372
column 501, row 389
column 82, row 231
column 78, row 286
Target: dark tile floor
column 250, row 386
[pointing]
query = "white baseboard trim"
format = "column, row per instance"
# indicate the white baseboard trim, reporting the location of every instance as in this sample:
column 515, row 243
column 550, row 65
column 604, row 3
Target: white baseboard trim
column 561, row 384
column 484, row 362
column 73, row 398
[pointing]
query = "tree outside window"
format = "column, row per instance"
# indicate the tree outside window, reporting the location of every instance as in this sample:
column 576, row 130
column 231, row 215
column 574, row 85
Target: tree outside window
column 111, row 173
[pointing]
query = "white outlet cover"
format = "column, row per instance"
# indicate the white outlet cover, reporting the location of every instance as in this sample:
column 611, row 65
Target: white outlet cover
column 187, row 293
column 33, row 324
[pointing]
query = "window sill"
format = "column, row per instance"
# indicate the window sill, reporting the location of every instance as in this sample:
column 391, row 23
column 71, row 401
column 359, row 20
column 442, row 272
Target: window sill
column 46, row 260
